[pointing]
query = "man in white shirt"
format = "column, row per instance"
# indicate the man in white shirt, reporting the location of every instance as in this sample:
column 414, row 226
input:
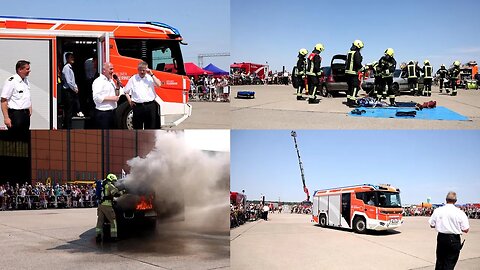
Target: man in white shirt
column 450, row 222
column 140, row 93
column 16, row 102
column 104, row 92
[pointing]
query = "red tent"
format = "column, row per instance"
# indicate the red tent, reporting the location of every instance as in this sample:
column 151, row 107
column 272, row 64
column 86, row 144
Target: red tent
column 193, row 70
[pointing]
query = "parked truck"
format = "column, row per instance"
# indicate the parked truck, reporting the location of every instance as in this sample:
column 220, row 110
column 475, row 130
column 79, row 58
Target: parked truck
column 44, row 43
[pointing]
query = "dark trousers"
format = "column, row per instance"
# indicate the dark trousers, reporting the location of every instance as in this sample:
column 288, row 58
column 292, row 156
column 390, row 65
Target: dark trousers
column 353, row 85
column 427, row 86
column 104, row 119
column 413, row 84
column 71, row 105
column 387, row 84
column 301, row 85
column 448, row 250
column 453, row 85
column 441, row 83
column 313, row 84
column 20, row 120
column 378, row 90
column 145, row 115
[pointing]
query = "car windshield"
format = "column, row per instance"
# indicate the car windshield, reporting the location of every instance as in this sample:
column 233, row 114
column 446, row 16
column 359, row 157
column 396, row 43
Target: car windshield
column 388, row 199
column 397, row 72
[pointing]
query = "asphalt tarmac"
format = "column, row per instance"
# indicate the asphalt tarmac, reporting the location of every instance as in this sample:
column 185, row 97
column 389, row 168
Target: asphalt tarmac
column 291, row 241
column 276, row 107
column 207, row 115
column 65, row 239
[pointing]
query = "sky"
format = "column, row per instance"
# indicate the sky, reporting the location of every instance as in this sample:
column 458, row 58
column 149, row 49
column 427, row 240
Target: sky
column 422, row 164
column 208, row 139
column 274, row 31
column 204, row 25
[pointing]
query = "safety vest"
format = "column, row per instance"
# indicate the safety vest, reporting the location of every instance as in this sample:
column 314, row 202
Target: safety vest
column 349, row 66
column 303, row 66
column 107, row 193
column 428, row 72
column 411, row 71
column 311, row 65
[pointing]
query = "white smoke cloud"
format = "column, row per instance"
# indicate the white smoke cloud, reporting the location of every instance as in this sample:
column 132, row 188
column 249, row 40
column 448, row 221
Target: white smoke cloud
column 185, row 178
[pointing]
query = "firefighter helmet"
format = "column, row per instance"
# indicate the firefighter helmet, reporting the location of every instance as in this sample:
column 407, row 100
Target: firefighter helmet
column 111, row 177
column 303, row 51
column 389, row 52
column 426, row 62
column 411, row 62
column 319, row 47
column 443, row 65
column 358, row 43
column 456, row 63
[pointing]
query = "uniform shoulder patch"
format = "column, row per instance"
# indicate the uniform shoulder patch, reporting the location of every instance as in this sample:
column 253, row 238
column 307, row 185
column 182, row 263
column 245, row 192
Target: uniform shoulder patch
column 11, row 78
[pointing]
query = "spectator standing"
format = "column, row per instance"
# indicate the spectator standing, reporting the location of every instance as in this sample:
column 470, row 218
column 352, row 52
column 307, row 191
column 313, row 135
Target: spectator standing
column 105, row 97
column 142, row 100
column 15, row 99
column 450, row 222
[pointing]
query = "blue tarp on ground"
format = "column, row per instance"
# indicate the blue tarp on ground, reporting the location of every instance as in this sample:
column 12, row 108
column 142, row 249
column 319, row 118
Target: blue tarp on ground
column 216, row 71
column 437, row 113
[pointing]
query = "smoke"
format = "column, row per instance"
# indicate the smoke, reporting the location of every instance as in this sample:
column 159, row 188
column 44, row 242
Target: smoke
column 189, row 184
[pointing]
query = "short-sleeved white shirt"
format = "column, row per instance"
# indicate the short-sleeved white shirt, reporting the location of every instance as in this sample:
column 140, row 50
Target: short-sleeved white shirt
column 141, row 89
column 449, row 219
column 103, row 87
column 17, row 93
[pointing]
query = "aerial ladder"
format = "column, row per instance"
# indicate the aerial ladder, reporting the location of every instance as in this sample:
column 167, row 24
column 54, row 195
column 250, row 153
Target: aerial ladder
column 305, row 189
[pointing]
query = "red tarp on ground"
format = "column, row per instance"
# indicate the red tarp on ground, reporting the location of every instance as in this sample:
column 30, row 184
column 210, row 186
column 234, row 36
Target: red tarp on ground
column 193, row 70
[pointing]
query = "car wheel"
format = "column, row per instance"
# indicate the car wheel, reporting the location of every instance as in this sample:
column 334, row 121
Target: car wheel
column 359, row 225
column 396, row 89
column 323, row 220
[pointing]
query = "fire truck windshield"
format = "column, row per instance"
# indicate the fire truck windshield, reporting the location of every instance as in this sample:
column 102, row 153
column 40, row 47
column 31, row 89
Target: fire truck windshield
column 161, row 55
column 388, row 199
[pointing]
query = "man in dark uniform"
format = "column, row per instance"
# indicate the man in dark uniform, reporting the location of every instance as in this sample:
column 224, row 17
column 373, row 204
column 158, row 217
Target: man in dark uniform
column 387, row 66
column 442, row 72
column 353, row 66
column 453, row 74
column 450, row 222
column 427, row 71
column 377, row 74
column 15, row 100
column 313, row 73
column 301, row 69
column 413, row 71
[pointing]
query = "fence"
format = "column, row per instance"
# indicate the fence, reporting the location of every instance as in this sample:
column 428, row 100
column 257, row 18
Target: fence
column 29, row 202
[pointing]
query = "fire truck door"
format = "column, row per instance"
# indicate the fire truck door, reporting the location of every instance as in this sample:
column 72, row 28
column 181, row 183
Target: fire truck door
column 334, row 210
column 103, row 49
column 346, row 208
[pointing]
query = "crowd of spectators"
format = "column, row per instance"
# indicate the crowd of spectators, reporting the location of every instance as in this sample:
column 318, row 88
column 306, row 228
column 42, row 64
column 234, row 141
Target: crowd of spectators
column 42, row 196
column 242, row 78
column 209, row 88
column 240, row 214
column 301, row 209
column 471, row 211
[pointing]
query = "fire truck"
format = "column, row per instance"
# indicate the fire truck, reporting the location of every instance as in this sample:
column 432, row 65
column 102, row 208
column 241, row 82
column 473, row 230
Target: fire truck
column 258, row 71
column 361, row 207
column 44, row 42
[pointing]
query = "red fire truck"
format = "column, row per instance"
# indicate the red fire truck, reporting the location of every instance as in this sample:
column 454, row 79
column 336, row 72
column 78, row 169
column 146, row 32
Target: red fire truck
column 361, row 207
column 249, row 68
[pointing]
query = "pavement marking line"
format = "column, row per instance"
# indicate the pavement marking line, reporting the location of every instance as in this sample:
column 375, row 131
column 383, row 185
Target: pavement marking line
column 256, row 223
column 368, row 240
column 220, row 267
column 89, row 247
column 252, row 106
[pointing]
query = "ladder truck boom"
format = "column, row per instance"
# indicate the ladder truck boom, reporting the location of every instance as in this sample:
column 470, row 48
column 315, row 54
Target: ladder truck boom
column 305, row 189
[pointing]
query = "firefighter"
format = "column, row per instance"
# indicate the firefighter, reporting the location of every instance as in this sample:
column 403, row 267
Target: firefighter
column 105, row 209
column 427, row 71
column 353, row 66
column 377, row 89
column 387, row 65
column 314, row 62
column 301, row 68
column 442, row 73
column 413, row 72
column 453, row 74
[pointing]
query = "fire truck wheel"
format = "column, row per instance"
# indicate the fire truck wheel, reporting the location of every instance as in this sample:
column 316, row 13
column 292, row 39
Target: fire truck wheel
column 323, row 220
column 359, row 225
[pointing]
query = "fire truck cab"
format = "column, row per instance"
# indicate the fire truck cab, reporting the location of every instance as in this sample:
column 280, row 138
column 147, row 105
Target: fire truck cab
column 361, row 207
column 44, row 42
